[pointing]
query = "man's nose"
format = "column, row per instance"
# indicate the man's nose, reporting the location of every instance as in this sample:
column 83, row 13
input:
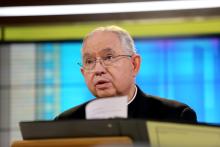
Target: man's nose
column 99, row 68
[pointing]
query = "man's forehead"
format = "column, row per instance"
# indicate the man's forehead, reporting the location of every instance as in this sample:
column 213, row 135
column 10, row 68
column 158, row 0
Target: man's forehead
column 101, row 38
column 101, row 42
column 101, row 51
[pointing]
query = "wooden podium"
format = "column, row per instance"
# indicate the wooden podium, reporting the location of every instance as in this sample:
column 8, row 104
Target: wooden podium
column 101, row 133
column 72, row 142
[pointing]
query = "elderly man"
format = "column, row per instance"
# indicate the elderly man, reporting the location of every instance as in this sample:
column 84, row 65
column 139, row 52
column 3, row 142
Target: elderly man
column 110, row 65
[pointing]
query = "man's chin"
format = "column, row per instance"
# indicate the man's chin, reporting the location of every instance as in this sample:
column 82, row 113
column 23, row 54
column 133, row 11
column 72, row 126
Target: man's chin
column 105, row 93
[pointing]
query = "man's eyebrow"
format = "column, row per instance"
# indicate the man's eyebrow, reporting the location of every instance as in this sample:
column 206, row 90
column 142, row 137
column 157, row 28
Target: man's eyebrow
column 86, row 55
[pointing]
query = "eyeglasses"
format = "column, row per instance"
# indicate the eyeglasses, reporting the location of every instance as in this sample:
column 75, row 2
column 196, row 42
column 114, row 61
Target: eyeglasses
column 89, row 63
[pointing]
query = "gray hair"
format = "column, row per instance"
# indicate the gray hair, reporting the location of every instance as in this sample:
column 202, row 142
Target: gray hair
column 124, row 36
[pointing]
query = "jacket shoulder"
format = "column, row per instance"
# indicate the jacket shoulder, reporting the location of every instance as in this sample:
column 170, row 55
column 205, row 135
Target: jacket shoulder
column 175, row 109
column 163, row 109
column 77, row 112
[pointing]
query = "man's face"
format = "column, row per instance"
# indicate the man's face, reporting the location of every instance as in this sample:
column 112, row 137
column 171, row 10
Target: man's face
column 107, row 81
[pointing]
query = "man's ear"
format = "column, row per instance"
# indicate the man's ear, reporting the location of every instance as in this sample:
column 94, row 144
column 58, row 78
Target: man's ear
column 82, row 71
column 136, row 63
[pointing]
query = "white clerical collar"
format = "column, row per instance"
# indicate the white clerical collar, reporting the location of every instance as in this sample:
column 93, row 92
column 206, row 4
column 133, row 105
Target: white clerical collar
column 135, row 93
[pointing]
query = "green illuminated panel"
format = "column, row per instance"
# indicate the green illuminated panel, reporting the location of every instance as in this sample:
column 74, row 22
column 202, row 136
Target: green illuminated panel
column 1, row 34
column 139, row 28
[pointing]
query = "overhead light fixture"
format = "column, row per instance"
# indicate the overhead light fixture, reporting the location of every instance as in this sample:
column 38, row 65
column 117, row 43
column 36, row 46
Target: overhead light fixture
column 108, row 8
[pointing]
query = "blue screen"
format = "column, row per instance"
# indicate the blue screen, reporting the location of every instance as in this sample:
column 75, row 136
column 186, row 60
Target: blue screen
column 182, row 69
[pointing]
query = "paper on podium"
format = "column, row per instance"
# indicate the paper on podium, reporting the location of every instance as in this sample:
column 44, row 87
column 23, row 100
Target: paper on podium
column 164, row 134
column 105, row 108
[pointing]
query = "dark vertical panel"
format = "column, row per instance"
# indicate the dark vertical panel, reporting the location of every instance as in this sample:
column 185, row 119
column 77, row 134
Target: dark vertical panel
column 4, row 95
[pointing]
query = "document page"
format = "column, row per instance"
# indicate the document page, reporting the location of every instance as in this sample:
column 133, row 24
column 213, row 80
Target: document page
column 106, row 108
column 162, row 134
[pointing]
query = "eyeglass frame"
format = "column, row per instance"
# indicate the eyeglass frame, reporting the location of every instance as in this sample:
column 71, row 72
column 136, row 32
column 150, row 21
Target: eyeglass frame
column 102, row 62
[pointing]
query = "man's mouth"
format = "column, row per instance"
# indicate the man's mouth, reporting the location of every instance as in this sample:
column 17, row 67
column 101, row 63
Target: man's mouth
column 102, row 84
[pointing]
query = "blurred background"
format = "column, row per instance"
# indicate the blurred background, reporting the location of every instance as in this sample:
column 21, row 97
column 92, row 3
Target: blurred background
column 40, row 78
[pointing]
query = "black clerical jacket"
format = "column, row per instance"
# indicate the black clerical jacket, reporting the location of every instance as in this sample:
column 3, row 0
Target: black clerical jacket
column 144, row 107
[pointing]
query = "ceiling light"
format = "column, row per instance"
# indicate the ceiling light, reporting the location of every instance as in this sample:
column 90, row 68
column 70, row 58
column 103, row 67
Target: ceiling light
column 107, row 8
